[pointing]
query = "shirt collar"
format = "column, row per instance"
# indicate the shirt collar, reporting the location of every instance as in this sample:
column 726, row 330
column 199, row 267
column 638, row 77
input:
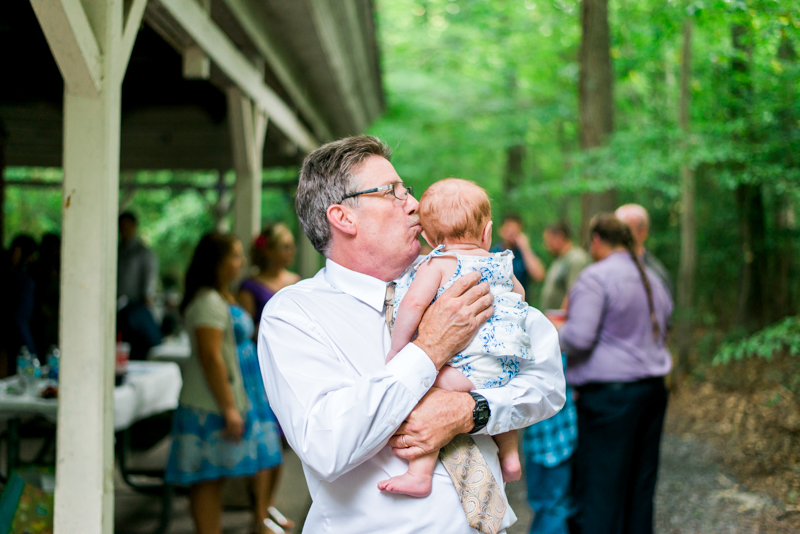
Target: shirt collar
column 365, row 288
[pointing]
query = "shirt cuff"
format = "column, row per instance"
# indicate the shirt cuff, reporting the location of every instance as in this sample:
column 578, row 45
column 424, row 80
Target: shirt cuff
column 412, row 367
column 500, row 405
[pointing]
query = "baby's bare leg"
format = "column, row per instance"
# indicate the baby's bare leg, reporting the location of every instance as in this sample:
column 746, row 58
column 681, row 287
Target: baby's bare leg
column 452, row 379
column 508, row 443
column 417, row 481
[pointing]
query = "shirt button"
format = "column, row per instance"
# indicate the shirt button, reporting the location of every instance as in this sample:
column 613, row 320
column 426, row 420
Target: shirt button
column 497, row 428
column 426, row 383
column 393, row 422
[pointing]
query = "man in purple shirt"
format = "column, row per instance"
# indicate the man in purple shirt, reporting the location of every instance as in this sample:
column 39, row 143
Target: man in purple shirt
column 615, row 340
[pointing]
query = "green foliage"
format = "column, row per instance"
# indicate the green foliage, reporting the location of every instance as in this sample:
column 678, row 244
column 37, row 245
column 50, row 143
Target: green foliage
column 466, row 80
column 169, row 222
column 764, row 344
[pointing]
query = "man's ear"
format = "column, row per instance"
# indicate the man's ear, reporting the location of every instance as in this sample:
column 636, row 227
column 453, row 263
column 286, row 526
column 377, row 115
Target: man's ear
column 428, row 241
column 486, row 236
column 342, row 219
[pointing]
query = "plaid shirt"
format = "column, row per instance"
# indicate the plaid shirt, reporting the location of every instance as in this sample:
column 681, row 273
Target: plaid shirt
column 553, row 440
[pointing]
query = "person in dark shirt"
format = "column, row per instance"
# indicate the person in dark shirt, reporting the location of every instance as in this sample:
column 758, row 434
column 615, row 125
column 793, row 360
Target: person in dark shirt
column 527, row 266
column 19, row 290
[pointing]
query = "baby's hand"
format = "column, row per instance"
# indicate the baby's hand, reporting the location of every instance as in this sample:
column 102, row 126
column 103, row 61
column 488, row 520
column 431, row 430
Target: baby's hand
column 392, row 354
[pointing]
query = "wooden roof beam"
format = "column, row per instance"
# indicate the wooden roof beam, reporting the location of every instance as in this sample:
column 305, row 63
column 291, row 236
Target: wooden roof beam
column 250, row 19
column 336, row 49
column 233, row 63
column 73, row 44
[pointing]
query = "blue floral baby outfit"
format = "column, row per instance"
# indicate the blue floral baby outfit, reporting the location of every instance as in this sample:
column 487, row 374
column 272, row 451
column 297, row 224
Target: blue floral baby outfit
column 492, row 357
column 199, row 452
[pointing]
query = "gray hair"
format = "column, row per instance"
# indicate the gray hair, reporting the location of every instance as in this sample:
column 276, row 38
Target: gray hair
column 327, row 176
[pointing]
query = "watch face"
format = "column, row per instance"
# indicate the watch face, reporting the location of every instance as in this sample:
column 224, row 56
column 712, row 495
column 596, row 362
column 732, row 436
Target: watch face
column 482, row 412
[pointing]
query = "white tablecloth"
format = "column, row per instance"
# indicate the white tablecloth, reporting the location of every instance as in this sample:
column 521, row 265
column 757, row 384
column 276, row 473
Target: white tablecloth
column 176, row 348
column 149, row 388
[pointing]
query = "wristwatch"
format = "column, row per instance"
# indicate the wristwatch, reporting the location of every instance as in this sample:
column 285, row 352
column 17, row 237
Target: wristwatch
column 481, row 413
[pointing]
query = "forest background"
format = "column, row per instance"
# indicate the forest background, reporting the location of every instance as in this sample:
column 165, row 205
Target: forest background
column 490, row 91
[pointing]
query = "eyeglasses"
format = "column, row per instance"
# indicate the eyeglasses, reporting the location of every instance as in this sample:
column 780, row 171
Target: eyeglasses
column 398, row 189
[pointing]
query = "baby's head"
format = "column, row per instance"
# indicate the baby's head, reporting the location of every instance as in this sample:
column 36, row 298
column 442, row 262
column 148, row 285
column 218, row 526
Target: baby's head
column 456, row 211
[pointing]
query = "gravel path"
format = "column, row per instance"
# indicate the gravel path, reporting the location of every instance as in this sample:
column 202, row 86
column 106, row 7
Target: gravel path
column 693, row 496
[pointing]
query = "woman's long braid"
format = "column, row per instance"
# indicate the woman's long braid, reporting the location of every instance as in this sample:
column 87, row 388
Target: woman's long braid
column 649, row 290
column 615, row 232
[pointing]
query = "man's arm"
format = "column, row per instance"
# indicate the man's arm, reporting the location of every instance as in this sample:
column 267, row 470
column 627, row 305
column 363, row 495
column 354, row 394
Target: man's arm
column 335, row 419
column 532, row 262
column 150, row 276
column 536, row 393
column 586, row 304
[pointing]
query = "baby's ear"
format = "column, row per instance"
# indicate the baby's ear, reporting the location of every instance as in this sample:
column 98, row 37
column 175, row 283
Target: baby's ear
column 487, row 233
column 428, row 241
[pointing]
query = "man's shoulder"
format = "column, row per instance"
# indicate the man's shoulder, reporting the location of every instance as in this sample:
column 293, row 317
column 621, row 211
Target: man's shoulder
column 577, row 255
column 305, row 294
column 653, row 262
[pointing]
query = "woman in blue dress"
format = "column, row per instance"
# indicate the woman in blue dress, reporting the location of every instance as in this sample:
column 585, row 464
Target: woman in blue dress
column 223, row 425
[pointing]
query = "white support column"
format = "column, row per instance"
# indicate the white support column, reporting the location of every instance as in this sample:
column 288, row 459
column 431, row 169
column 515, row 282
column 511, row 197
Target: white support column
column 84, row 499
column 248, row 126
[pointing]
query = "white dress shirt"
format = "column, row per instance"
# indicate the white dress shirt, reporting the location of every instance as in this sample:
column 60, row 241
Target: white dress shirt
column 322, row 344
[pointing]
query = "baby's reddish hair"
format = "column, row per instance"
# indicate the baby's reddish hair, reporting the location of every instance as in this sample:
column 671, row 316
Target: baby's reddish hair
column 454, row 209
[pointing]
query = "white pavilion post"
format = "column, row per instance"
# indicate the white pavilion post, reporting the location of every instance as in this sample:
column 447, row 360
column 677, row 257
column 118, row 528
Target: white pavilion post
column 91, row 48
column 248, row 126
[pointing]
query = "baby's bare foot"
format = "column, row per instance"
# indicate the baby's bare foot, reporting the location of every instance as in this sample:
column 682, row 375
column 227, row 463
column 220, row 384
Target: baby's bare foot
column 408, row 484
column 510, row 465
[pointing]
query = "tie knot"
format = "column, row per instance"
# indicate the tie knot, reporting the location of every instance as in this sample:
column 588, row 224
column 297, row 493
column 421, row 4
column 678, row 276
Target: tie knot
column 389, row 298
column 388, row 302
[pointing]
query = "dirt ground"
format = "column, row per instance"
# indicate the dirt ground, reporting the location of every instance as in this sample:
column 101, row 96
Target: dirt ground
column 730, row 463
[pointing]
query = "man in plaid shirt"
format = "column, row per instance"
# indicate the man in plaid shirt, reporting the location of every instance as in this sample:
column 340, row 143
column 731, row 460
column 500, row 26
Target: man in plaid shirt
column 549, row 445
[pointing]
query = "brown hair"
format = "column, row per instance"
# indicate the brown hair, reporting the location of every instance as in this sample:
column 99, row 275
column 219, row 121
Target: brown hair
column 454, row 209
column 560, row 228
column 266, row 243
column 203, row 271
column 326, row 176
column 615, row 232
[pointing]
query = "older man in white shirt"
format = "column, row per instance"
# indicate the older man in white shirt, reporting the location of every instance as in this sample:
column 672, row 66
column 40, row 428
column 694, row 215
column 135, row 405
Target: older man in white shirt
column 351, row 418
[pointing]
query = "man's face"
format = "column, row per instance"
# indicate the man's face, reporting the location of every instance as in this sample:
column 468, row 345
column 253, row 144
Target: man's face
column 509, row 232
column 388, row 228
column 553, row 242
column 127, row 229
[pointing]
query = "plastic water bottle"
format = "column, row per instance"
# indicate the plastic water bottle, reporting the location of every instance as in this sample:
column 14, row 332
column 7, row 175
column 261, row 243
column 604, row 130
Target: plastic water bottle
column 52, row 363
column 34, row 372
column 23, row 362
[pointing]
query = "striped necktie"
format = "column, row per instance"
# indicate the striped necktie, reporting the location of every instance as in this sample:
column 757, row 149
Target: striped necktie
column 478, row 491
column 388, row 302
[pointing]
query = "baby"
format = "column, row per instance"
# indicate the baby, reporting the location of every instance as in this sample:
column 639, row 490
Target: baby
column 456, row 218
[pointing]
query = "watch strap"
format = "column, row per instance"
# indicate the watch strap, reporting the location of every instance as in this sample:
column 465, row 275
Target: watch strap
column 481, row 412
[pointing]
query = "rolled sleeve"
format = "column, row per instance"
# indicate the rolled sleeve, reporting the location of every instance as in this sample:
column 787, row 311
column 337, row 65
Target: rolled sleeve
column 539, row 389
column 414, row 369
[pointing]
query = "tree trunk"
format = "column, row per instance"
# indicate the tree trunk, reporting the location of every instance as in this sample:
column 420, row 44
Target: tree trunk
column 688, row 261
column 596, row 97
column 515, row 161
column 513, row 175
column 751, row 307
column 782, row 264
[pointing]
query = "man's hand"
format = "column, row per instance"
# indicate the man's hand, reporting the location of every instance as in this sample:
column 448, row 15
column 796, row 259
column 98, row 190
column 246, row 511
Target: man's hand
column 522, row 242
column 438, row 418
column 450, row 323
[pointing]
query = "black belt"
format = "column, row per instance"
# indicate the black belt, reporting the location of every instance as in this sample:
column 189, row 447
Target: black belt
column 618, row 386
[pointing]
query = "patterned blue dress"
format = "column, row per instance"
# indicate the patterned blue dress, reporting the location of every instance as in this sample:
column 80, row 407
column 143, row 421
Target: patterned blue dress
column 200, row 453
column 492, row 357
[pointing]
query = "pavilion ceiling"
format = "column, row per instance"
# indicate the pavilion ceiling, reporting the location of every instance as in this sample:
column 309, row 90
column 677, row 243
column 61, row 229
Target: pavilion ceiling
column 319, row 57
